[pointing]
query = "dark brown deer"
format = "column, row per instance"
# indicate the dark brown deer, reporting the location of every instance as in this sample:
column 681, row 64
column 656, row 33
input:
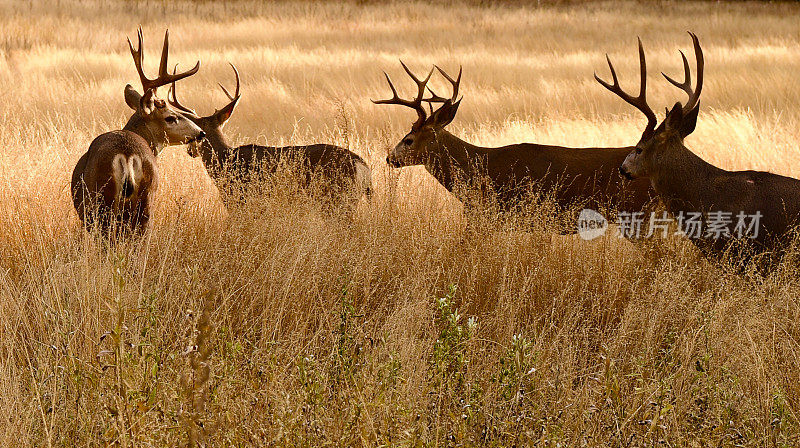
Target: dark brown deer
column 344, row 176
column 115, row 179
column 582, row 176
column 729, row 205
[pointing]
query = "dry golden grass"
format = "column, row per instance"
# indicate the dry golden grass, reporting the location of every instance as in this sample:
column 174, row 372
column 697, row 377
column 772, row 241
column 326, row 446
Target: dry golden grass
column 321, row 332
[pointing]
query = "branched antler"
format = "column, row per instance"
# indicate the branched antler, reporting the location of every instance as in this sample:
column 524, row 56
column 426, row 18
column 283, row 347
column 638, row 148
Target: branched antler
column 235, row 96
column 164, row 77
column 639, row 101
column 416, row 103
column 686, row 85
column 455, row 82
column 172, row 98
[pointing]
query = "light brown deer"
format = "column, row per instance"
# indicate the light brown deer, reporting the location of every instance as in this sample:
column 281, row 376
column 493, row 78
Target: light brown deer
column 584, row 176
column 726, row 201
column 113, row 182
column 345, row 177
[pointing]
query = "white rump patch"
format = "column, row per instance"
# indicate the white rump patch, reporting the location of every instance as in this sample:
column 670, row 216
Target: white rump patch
column 363, row 177
column 126, row 168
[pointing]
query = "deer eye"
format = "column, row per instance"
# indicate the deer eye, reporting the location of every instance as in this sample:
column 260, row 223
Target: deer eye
column 638, row 150
column 171, row 120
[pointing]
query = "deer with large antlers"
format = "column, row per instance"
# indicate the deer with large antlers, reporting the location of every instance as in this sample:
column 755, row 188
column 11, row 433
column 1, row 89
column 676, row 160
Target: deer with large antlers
column 345, row 176
column 576, row 176
column 115, row 179
column 764, row 205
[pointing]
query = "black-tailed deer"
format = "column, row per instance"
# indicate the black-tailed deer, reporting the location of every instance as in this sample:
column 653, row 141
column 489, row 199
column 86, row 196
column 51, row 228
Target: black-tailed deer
column 725, row 205
column 116, row 178
column 343, row 175
column 585, row 176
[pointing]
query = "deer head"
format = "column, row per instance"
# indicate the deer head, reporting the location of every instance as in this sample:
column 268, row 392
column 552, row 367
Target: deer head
column 211, row 124
column 415, row 147
column 162, row 124
column 660, row 146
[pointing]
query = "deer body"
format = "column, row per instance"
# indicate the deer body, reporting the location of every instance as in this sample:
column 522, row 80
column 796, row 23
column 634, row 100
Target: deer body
column 687, row 184
column 586, row 176
column 345, row 176
column 114, row 181
column 576, row 176
column 118, row 175
column 340, row 169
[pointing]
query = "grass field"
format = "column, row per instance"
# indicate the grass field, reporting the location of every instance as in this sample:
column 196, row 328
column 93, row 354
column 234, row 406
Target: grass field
column 268, row 323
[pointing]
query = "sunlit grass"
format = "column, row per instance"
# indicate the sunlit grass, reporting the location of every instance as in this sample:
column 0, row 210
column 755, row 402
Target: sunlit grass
column 331, row 332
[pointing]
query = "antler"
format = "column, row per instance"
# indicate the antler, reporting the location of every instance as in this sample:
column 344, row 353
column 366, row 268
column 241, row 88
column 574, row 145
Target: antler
column 640, row 101
column 164, row 77
column 237, row 95
column 172, row 97
column 686, row 85
column 455, row 82
column 416, row 103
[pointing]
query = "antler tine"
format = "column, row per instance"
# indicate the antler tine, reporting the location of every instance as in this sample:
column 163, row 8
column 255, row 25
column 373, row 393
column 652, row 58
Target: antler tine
column 642, row 70
column 164, row 77
column 395, row 99
column 421, row 84
column 640, row 101
column 456, row 83
column 163, row 65
column 686, row 85
column 694, row 99
column 236, row 96
column 172, row 97
column 138, row 57
column 416, row 103
column 434, row 98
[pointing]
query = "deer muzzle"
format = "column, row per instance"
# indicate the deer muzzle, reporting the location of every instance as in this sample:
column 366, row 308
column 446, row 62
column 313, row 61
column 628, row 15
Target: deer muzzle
column 393, row 162
column 624, row 173
column 195, row 144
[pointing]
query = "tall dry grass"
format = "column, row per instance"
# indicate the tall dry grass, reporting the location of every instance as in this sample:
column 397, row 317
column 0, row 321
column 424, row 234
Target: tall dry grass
column 269, row 323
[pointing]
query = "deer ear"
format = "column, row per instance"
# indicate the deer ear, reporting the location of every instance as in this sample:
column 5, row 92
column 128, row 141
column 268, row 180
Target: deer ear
column 689, row 121
column 147, row 103
column 132, row 97
column 674, row 118
column 445, row 114
column 224, row 114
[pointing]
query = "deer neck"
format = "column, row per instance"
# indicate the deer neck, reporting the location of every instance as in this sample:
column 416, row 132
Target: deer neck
column 685, row 186
column 138, row 125
column 453, row 161
column 215, row 151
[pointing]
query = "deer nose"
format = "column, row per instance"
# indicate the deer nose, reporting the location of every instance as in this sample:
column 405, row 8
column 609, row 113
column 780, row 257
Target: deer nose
column 201, row 135
column 625, row 173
